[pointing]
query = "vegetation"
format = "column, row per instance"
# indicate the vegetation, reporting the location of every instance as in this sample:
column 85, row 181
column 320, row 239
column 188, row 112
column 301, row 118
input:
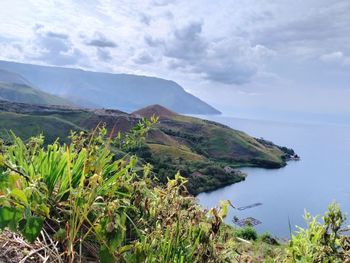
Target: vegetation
column 26, row 94
column 199, row 149
column 321, row 242
column 247, row 232
column 80, row 202
column 91, row 204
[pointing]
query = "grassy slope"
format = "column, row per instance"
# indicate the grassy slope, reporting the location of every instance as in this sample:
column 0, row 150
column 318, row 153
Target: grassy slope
column 175, row 152
column 219, row 142
column 27, row 94
column 199, row 149
column 26, row 126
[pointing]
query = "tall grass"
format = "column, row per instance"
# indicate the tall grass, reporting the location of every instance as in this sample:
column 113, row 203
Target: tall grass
column 97, row 207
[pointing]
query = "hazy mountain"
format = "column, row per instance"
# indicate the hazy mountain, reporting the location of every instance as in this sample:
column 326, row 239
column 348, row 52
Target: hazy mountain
column 119, row 91
column 15, row 88
column 11, row 77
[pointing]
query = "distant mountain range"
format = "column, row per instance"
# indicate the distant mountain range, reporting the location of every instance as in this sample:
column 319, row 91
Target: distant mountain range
column 103, row 90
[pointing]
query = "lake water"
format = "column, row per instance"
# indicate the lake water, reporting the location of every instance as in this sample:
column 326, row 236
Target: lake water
column 321, row 177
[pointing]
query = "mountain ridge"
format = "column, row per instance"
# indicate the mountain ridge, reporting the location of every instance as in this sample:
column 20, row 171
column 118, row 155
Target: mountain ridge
column 11, row 77
column 119, row 91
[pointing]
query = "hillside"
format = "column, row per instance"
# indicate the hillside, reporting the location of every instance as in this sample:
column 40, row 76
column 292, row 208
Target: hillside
column 157, row 110
column 117, row 91
column 205, row 151
column 10, row 77
column 200, row 149
column 14, row 87
column 82, row 203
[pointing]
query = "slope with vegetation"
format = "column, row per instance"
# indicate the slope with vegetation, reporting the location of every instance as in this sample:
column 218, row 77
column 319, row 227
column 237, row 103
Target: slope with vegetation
column 16, row 88
column 78, row 202
column 205, row 152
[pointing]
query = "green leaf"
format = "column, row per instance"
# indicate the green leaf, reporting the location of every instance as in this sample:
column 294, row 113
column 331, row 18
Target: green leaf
column 31, row 228
column 6, row 215
column 60, row 235
column 9, row 217
column 106, row 256
column 1, row 160
column 44, row 209
column 19, row 195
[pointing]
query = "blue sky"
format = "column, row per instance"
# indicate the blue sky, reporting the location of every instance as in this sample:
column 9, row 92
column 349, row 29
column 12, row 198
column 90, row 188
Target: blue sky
column 251, row 56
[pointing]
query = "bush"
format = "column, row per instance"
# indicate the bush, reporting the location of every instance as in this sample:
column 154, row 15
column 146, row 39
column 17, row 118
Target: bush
column 320, row 242
column 247, row 232
column 268, row 239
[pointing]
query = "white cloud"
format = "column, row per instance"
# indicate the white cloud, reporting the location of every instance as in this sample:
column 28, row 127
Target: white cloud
column 209, row 45
column 336, row 57
column 248, row 29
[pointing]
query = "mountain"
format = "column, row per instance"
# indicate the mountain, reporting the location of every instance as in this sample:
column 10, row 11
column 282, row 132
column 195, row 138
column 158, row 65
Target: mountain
column 205, row 152
column 11, row 77
column 118, row 91
column 14, row 87
column 156, row 110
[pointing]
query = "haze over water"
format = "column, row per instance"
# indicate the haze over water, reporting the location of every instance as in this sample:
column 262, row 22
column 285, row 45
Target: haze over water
column 321, row 177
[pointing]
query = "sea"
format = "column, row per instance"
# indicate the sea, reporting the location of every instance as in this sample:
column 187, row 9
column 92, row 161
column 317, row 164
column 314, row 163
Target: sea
column 320, row 177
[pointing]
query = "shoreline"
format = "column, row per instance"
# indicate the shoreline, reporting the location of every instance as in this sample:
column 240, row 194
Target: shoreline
column 243, row 175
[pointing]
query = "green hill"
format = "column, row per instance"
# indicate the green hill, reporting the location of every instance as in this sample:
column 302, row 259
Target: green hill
column 202, row 150
column 27, row 94
column 14, row 87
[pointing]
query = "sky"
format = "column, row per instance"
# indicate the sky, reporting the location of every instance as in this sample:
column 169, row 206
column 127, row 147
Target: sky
column 248, row 58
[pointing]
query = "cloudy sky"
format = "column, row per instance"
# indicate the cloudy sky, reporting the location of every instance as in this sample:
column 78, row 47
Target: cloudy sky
column 246, row 57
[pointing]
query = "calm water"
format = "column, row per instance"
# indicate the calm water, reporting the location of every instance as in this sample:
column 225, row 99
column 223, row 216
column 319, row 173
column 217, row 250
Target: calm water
column 322, row 175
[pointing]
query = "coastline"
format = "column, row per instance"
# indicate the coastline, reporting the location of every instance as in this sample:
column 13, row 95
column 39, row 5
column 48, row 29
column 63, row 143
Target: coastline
column 239, row 176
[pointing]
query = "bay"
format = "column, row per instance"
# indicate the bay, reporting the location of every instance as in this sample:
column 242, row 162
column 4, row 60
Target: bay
column 319, row 178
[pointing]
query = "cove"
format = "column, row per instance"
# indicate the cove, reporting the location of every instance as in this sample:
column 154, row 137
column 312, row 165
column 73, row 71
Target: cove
column 319, row 178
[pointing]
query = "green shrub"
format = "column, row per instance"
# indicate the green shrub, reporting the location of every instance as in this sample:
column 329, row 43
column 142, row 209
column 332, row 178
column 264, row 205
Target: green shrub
column 320, row 242
column 267, row 238
column 247, row 232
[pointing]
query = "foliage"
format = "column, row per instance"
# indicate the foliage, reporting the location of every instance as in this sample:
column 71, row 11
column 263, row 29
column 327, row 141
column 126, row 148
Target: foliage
column 178, row 230
column 177, row 143
column 135, row 138
column 92, row 204
column 267, row 238
column 320, row 242
column 109, row 209
column 62, row 186
column 211, row 174
column 247, row 232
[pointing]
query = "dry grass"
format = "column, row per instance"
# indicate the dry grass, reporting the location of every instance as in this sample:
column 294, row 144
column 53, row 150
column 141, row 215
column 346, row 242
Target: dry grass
column 14, row 249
